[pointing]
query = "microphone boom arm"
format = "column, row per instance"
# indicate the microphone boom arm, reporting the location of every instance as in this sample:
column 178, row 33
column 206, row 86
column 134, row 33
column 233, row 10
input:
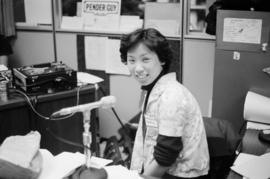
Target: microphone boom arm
column 80, row 108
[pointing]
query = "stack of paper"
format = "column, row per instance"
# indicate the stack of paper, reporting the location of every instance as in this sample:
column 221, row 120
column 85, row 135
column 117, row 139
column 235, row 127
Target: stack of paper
column 252, row 167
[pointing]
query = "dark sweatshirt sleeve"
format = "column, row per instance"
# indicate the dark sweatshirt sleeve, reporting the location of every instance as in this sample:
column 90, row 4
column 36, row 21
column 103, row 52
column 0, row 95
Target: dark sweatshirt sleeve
column 167, row 149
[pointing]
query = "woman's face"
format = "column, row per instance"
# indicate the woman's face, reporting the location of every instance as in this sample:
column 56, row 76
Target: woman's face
column 143, row 64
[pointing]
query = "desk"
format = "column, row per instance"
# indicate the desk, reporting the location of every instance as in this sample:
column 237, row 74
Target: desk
column 251, row 145
column 17, row 118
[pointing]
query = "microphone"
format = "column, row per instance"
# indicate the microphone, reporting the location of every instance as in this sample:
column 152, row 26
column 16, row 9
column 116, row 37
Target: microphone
column 104, row 102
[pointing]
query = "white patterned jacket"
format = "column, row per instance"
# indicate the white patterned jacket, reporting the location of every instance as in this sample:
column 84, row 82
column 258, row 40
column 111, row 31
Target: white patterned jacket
column 173, row 111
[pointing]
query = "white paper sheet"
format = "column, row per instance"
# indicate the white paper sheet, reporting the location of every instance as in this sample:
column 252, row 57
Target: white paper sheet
column 257, row 108
column 255, row 168
column 3, row 67
column 38, row 11
column 257, row 126
column 102, row 53
column 120, row 172
column 95, row 52
column 243, row 157
column 242, row 30
column 113, row 60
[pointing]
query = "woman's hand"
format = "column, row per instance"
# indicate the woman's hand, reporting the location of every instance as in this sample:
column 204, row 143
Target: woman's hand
column 154, row 169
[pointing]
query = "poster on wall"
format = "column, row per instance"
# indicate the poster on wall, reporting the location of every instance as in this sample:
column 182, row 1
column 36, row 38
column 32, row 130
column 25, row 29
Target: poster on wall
column 241, row 30
column 102, row 53
column 101, row 14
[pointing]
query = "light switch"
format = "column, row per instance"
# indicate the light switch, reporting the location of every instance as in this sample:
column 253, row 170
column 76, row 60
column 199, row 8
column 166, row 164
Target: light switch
column 236, row 55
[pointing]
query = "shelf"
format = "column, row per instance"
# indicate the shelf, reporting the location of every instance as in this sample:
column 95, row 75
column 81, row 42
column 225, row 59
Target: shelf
column 28, row 27
column 198, row 7
column 199, row 35
column 105, row 33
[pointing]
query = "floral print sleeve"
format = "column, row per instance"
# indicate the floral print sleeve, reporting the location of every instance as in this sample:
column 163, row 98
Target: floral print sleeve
column 171, row 113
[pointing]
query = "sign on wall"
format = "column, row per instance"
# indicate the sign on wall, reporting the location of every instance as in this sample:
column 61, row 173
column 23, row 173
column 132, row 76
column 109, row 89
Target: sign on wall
column 101, row 15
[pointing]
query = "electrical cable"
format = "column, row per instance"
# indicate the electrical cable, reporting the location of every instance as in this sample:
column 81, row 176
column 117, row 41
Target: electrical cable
column 126, row 131
column 68, row 116
column 126, row 140
column 61, row 139
column 80, row 145
column 31, row 105
column 58, row 118
column 114, row 112
column 42, row 116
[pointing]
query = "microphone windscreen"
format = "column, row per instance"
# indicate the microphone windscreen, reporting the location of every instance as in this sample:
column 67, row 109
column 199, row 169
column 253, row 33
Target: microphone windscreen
column 107, row 101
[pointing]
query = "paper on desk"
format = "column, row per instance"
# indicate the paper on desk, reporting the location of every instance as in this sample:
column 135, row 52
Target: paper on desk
column 243, row 157
column 3, row 67
column 120, row 172
column 59, row 166
column 63, row 164
column 255, row 168
column 257, row 126
column 87, row 78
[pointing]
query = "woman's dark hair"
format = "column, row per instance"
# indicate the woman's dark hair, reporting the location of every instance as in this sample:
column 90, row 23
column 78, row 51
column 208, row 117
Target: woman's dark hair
column 152, row 39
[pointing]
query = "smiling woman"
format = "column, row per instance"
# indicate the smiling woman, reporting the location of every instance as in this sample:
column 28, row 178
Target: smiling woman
column 171, row 139
column 143, row 64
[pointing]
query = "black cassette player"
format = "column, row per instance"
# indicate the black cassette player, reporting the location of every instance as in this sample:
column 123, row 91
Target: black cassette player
column 45, row 78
